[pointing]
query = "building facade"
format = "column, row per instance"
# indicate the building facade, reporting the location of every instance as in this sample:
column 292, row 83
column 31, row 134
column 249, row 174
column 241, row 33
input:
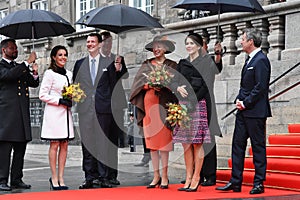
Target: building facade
column 280, row 42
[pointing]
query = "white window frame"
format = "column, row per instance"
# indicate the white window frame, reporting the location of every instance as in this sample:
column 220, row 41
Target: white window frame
column 83, row 7
column 3, row 13
column 40, row 5
column 144, row 5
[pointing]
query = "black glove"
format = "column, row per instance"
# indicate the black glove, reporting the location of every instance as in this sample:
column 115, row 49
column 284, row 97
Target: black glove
column 65, row 102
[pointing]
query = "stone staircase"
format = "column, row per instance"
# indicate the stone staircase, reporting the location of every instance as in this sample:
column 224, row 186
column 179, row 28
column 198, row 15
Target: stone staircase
column 283, row 161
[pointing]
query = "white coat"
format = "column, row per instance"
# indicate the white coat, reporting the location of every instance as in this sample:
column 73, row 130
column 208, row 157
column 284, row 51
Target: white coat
column 55, row 125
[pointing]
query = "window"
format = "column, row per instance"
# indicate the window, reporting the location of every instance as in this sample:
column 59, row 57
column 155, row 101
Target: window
column 144, row 5
column 40, row 5
column 3, row 14
column 83, row 7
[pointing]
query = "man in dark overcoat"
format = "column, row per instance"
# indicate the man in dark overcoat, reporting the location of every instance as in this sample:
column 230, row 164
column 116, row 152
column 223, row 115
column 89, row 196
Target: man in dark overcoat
column 15, row 130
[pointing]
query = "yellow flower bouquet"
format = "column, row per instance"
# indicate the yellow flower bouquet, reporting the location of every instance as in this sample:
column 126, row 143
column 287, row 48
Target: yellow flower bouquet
column 74, row 93
column 177, row 115
column 159, row 77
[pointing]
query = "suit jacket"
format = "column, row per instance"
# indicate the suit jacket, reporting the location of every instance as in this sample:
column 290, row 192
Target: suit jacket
column 254, row 87
column 14, row 102
column 100, row 94
column 110, row 95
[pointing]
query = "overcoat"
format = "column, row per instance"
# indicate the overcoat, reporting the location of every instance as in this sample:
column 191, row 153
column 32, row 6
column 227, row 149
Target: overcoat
column 56, row 124
column 15, row 80
column 138, row 93
column 201, row 73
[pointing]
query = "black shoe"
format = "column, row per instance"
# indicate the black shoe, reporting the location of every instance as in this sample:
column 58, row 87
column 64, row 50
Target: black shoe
column 104, row 183
column 258, row 189
column 230, row 186
column 96, row 182
column 182, row 182
column 4, row 187
column 192, row 189
column 156, row 184
column 114, row 181
column 165, row 186
column 63, row 187
column 52, row 187
column 182, row 189
column 208, row 183
column 86, row 185
column 20, row 185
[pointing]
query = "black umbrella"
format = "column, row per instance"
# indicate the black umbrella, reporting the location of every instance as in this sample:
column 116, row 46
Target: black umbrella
column 221, row 6
column 34, row 24
column 118, row 18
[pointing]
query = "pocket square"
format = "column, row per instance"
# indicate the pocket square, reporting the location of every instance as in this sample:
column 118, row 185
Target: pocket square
column 249, row 68
column 104, row 70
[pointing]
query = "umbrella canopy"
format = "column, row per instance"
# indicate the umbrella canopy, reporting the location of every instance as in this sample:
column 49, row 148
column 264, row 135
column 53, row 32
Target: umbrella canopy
column 118, row 18
column 221, row 6
column 34, row 24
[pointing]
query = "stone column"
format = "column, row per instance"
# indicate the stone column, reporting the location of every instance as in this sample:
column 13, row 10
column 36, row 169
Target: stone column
column 263, row 26
column 291, row 50
column 240, row 58
column 212, row 32
column 276, row 37
column 230, row 37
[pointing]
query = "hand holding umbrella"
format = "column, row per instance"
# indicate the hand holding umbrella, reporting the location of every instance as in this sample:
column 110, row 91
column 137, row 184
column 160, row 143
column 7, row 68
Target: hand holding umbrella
column 31, row 58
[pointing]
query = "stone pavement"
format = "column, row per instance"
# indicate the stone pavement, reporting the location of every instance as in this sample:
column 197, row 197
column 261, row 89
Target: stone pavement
column 37, row 170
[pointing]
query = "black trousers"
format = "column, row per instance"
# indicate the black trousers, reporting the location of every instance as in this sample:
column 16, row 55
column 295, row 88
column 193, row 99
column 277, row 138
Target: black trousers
column 209, row 167
column 17, row 163
column 90, row 165
column 255, row 129
column 111, row 129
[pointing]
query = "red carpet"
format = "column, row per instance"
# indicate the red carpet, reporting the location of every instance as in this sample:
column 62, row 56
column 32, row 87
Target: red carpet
column 282, row 150
column 283, row 161
column 294, row 128
column 141, row 193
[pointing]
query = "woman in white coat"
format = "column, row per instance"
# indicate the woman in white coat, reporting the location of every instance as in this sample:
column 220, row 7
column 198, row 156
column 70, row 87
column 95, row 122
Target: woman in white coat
column 57, row 122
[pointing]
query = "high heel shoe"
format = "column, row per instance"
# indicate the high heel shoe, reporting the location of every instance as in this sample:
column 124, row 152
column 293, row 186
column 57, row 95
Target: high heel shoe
column 52, row 187
column 156, row 184
column 63, row 187
column 165, row 186
column 192, row 189
column 184, row 188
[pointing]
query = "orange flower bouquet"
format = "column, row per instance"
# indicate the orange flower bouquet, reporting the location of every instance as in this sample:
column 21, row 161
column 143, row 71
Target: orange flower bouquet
column 159, row 77
column 177, row 115
column 74, row 93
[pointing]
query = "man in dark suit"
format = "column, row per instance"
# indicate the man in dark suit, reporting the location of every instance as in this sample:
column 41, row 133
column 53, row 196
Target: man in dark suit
column 15, row 130
column 253, row 107
column 111, row 102
column 98, row 78
column 208, row 172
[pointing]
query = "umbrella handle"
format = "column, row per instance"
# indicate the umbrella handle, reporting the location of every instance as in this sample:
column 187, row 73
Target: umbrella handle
column 224, row 49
